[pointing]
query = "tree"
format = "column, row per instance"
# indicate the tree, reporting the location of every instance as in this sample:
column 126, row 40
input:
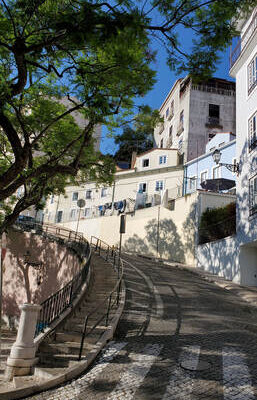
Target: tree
column 97, row 55
column 139, row 137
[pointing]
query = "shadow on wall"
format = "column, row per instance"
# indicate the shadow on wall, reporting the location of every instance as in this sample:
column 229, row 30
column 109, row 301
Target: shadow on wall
column 169, row 243
column 189, row 231
column 20, row 280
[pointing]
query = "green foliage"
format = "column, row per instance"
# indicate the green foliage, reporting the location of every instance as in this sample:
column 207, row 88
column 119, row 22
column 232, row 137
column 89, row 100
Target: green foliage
column 138, row 138
column 97, row 56
column 217, row 223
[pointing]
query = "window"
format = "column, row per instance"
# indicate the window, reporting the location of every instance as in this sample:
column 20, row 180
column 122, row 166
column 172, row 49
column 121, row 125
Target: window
column 162, row 159
column 161, row 144
column 181, row 118
column 252, row 74
column 52, row 199
column 104, row 192
column 192, row 183
column 216, row 172
column 73, row 213
column 253, row 195
column 252, row 132
column 214, row 114
column 86, row 212
column 167, row 112
column 88, row 194
column 203, row 176
column 172, row 108
column 145, row 163
column 59, row 216
column 170, row 131
column 75, row 196
column 142, row 187
column 158, row 185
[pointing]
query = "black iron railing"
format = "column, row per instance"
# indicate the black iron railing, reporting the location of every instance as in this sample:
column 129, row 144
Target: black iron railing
column 102, row 311
column 58, row 302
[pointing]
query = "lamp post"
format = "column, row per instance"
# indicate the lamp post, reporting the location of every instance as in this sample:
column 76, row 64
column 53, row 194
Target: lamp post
column 3, row 241
column 216, row 155
column 80, row 203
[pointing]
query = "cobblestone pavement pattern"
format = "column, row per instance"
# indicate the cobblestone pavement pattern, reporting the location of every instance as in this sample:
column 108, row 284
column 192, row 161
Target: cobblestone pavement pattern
column 179, row 338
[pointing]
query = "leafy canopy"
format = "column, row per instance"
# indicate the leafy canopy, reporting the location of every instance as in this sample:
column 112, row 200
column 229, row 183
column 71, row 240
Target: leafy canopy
column 97, row 56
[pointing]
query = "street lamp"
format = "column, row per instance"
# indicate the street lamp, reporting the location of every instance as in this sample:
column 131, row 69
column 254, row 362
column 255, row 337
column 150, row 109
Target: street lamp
column 37, row 266
column 216, row 155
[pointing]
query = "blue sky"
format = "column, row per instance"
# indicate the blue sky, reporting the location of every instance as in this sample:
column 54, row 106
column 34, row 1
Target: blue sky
column 165, row 80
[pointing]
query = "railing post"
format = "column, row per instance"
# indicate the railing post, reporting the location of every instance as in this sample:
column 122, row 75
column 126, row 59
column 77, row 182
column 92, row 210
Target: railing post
column 100, row 248
column 83, row 338
column 107, row 253
column 118, row 293
column 108, row 311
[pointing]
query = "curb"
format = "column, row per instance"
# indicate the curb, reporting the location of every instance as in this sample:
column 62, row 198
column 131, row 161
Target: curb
column 76, row 370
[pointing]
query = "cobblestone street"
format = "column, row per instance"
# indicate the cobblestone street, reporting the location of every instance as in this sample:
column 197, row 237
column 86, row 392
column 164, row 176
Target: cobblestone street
column 179, row 338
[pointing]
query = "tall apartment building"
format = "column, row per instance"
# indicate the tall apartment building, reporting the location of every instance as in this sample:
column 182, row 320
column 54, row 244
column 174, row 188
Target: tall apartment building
column 193, row 113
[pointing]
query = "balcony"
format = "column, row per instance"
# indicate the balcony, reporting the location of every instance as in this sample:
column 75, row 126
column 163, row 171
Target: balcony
column 213, row 122
column 180, row 128
column 244, row 40
column 171, row 114
column 161, row 129
column 253, row 144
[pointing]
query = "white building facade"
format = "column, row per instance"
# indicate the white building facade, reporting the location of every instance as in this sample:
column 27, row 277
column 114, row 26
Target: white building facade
column 154, row 178
column 194, row 113
column 244, row 69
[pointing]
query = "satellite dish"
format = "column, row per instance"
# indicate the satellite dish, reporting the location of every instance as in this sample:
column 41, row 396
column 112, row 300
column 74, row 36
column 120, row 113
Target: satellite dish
column 81, row 203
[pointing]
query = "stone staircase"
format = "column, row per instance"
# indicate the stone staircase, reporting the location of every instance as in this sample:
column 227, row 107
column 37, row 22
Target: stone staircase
column 7, row 339
column 60, row 350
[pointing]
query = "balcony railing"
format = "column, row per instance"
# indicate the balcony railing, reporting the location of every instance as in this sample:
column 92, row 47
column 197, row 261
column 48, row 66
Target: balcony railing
column 213, row 89
column 253, row 144
column 180, row 128
column 213, row 121
column 244, row 40
column 171, row 114
column 161, row 129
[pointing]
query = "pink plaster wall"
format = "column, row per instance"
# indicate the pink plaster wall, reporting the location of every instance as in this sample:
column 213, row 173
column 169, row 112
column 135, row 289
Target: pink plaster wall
column 20, row 281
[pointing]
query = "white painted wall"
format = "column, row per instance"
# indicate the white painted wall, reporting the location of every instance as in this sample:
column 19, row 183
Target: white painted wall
column 221, row 258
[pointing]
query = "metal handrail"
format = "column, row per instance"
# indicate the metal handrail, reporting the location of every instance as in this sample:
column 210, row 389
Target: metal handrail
column 58, row 302
column 111, row 254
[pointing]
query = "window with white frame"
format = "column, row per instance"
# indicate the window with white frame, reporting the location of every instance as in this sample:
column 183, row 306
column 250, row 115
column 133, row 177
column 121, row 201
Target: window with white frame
column 161, row 144
column 167, row 112
column 75, row 196
column 216, row 172
column 73, row 213
column 252, row 74
column 170, row 131
column 52, row 199
column 253, row 195
column 203, row 176
column 142, row 187
column 145, row 163
column 158, row 186
column 88, row 194
column 252, row 132
column 103, row 192
column 162, row 159
column 192, row 183
column 87, row 212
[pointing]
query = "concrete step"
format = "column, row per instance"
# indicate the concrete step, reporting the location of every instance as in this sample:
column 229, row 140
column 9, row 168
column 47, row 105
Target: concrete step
column 51, row 360
column 75, row 336
column 65, row 347
column 46, row 372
